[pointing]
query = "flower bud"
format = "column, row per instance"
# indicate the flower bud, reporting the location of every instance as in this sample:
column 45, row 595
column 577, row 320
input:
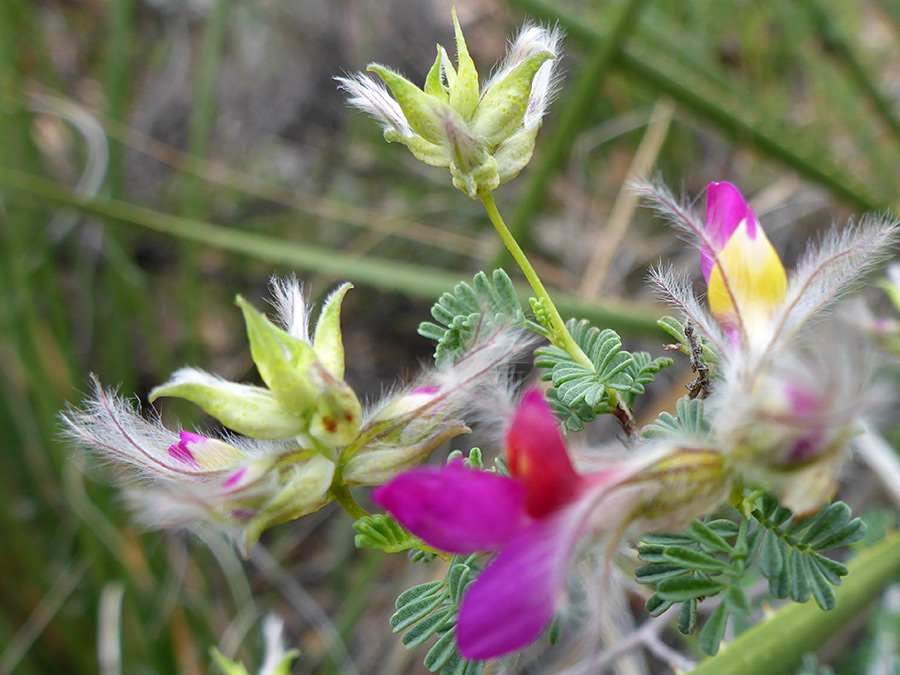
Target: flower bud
column 793, row 440
column 301, row 488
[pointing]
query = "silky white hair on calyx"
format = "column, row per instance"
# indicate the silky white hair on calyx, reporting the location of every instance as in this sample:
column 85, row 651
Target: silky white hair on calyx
column 829, row 270
column 291, row 306
column 374, row 99
column 674, row 287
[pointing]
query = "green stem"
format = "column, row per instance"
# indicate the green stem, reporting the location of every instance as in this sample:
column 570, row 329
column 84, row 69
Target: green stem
column 559, row 335
column 345, row 500
column 777, row 644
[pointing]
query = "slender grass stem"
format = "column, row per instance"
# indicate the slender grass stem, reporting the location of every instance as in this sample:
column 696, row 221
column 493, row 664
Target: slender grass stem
column 726, row 111
column 395, row 275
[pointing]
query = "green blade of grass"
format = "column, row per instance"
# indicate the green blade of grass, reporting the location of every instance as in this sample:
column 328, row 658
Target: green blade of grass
column 769, row 136
column 414, row 280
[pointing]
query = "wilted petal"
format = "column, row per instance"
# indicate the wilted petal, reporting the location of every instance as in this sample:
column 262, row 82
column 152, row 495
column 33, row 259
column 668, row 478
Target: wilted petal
column 205, row 453
column 328, row 343
column 464, row 90
column 456, row 509
column 418, row 107
column 725, row 210
column 501, row 109
column 284, row 362
column 537, row 456
column 513, row 600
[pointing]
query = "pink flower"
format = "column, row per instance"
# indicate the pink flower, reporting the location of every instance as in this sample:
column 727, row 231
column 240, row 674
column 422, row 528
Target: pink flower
column 533, row 519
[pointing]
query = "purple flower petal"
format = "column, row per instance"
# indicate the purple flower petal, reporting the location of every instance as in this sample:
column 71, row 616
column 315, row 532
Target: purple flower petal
column 456, row 509
column 513, row 600
column 725, row 209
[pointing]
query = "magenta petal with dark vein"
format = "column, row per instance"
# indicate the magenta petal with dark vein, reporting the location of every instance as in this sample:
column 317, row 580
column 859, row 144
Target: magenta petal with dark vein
column 456, row 509
column 515, row 597
column 725, row 209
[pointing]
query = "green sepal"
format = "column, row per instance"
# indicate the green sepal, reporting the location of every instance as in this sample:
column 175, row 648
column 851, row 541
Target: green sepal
column 464, row 91
column 503, row 106
column 479, row 181
column 284, row 362
column 424, row 151
column 328, row 343
column 434, row 85
column 226, row 665
column 229, row 667
column 417, row 106
column 283, row 667
column 303, row 490
column 383, row 458
column 514, row 153
column 246, row 409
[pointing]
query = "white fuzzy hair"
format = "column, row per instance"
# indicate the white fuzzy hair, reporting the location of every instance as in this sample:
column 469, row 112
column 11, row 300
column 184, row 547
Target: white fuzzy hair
column 477, row 388
column 682, row 216
column 532, row 39
column 831, row 269
column 675, row 288
column 162, row 490
column 291, row 306
column 374, row 98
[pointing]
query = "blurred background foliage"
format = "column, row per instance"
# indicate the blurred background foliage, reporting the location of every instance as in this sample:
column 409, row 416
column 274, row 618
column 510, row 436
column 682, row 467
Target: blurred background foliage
column 159, row 156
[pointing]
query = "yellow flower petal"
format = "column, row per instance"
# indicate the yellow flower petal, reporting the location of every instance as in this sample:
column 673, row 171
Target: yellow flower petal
column 748, row 282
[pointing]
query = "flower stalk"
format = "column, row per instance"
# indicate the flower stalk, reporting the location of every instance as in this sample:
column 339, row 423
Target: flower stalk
column 558, row 334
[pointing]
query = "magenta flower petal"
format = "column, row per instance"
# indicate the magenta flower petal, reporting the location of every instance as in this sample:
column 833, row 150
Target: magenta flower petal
column 456, row 509
column 513, row 600
column 725, row 209
column 537, row 456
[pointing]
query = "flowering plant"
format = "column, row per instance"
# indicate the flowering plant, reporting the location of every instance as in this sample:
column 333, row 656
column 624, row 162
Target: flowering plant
column 765, row 429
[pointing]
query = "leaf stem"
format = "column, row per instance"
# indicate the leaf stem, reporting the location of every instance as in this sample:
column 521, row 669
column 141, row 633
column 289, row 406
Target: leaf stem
column 345, row 500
